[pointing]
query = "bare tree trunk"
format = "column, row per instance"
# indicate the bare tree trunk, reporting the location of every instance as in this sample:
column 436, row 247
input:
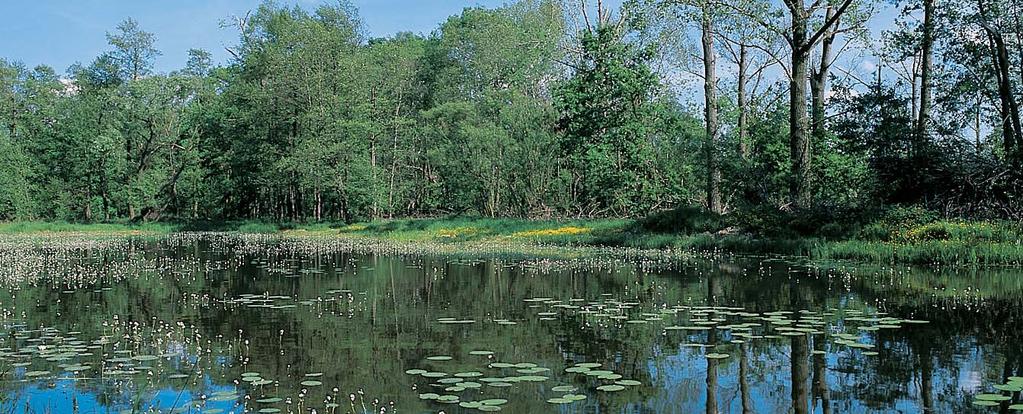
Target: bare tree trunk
column 711, row 111
column 744, row 391
column 373, row 175
column 926, row 48
column 800, row 370
column 319, row 205
column 743, row 126
column 799, row 141
column 1012, row 131
column 88, row 203
column 976, row 123
column 819, row 79
column 802, row 44
column 820, row 380
column 915, row 77
column 393, row 173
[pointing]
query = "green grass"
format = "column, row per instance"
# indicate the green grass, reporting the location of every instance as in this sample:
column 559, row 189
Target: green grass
column 31, row 227
column 257, row 227
column 923, row 253
column 938, row 242
column 919, row 242
column 23, row 227
column 469, row 229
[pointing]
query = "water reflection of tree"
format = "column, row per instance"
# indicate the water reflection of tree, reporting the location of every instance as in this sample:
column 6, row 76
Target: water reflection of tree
column 970, row 327
column 386, row 322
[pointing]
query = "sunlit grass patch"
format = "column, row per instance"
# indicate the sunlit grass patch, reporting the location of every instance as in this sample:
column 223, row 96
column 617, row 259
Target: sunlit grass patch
column 353, row 228
column 560, row 231
column 458, row 232
column 974, row 231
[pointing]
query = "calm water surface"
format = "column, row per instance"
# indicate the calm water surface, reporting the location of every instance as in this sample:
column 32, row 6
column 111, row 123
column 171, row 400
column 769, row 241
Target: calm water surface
column 219, row 323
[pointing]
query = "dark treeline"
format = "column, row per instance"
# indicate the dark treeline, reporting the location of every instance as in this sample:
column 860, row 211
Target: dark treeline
column 535, row 109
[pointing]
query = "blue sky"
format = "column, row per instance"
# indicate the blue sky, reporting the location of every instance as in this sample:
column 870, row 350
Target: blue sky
column 61, row 32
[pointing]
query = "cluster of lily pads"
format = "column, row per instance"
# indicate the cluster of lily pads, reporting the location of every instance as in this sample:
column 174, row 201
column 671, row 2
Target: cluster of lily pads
column 714, row 330
column 451, row 387
column 454, row 384
column 1012, row 386
column 614, row 381
column 735, row 325
column 120, row 359
column 50, row 356
column 266, row 301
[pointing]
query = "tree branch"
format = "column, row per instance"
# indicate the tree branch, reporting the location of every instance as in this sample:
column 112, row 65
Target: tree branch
column 762, row 23
column 824, row 29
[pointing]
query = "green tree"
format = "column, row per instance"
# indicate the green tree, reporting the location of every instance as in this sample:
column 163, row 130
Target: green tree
column 607, row 110
column 16, row 201
column 134, row 50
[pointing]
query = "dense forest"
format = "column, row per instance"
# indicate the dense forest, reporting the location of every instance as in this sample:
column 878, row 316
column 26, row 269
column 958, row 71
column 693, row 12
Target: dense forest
column 536, row 109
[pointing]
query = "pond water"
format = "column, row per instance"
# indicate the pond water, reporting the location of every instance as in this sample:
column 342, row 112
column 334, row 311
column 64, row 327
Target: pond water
column 220, row 323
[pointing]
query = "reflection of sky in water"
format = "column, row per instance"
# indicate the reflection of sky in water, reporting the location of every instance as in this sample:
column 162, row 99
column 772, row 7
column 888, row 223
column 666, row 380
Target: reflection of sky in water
column 62, row 396
column 681, row 378
column 370, row 318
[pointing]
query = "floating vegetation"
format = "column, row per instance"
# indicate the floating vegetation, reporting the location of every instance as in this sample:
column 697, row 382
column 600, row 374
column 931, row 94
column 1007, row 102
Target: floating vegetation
column 222, row 323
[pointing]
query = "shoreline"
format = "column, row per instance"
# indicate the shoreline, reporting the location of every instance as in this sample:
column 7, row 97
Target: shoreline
column 574, row 238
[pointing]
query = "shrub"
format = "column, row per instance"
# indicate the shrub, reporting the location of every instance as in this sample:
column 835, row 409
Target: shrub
column 683, row 220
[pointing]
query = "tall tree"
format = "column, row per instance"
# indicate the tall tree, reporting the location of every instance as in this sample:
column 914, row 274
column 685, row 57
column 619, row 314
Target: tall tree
column 801, row 44
column 851, row 28
column 992, row 17
column 753, row 51
column 134, row 50
column 710, row 98
column 607, row 111
column 926, row 69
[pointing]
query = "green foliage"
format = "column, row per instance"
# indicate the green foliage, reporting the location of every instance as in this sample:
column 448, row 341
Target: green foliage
column 923, row 253
column 98, row 228
column 608, row 112
column 504, row 112
column 16, row 201
column 257, row 227
column 878, row 149
column 685, row 220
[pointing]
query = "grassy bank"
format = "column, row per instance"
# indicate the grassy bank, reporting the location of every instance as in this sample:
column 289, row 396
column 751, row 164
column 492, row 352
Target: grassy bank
column 885, row 241
column 40, row 227
column 935, row 243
